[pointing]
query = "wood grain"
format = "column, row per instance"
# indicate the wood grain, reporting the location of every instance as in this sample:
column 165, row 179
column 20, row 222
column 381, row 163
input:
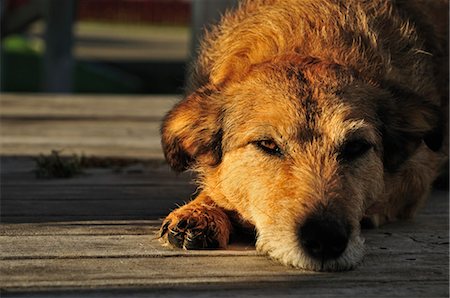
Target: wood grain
column 95, row 235
column 125, row 126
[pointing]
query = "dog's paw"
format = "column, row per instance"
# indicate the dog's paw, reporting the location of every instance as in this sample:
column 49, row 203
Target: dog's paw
column 196, row 227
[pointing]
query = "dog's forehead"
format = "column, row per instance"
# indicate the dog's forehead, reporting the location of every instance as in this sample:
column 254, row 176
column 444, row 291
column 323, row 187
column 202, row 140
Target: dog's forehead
column 278, row 107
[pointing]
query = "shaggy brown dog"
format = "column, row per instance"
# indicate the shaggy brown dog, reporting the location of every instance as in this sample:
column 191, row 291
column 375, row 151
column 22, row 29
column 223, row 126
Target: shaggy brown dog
column 306, row 116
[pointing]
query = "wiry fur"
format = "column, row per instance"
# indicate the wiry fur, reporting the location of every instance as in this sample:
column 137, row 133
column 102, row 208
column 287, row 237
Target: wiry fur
column 312, row 77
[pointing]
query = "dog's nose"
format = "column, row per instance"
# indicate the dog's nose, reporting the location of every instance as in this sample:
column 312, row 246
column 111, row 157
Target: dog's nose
column 324, row 238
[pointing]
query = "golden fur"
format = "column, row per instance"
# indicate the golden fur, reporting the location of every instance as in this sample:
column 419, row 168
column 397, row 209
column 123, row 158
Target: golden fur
column 305, row 117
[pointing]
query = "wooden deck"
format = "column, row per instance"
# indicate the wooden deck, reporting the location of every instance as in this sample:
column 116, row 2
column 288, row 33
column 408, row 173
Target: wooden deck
column 94, row 235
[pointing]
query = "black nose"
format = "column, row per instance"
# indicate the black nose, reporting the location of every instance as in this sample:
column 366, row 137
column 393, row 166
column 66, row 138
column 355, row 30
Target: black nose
column 324, row 238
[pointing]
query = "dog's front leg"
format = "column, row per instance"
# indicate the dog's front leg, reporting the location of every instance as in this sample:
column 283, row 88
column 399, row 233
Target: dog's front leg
column 200, row 224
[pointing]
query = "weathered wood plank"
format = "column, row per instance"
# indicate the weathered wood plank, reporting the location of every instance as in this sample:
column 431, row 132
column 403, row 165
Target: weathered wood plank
column 155, row 173
column 92, row 228
column 91, row 209
column 106, row 138
column 59, row 241
column 100, row 246
column 45, row 106
column 68, row 131
column 80, row 255
column 265, row 288
column 127, row 193
column 106, row 126
column 176, row 270
column 134, row 192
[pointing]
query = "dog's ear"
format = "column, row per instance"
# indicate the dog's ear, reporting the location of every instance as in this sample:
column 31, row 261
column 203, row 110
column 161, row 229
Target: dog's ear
column 407, row 120
column 192, row 131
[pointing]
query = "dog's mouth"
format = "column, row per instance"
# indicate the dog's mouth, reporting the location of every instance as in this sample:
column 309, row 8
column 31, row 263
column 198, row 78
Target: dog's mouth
column 295, row 256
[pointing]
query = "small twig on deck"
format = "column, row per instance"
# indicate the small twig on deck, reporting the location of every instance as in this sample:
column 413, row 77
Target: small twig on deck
column 56, row 166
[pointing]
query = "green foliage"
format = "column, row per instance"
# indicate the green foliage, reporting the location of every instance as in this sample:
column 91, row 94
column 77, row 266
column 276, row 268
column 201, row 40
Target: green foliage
column 18, row 44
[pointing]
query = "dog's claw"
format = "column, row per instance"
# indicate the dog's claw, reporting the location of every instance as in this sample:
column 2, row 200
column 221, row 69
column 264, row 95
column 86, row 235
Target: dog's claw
column 185, row 235
column 183, row 224
column 164, row 228
column 176, row 238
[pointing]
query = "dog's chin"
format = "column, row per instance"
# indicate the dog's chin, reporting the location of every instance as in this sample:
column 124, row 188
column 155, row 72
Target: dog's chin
column 291, row 254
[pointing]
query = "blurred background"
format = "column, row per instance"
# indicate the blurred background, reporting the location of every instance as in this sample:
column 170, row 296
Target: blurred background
column 95, row 77
column 101, row 46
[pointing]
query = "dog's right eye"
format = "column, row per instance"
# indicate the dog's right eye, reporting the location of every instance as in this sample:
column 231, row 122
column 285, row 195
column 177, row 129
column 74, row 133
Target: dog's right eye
column 354, row 149
column 269, row 147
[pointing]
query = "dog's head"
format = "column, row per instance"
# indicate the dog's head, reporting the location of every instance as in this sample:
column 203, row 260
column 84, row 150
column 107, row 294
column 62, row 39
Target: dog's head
column 299, row 147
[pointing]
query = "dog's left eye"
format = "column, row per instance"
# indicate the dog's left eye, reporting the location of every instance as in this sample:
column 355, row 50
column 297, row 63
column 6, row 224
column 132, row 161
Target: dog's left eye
column 269, row 147
column 354, row 149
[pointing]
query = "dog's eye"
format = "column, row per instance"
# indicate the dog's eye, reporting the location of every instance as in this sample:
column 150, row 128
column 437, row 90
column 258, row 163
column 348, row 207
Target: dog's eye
column 354, row 149
column 269, row 147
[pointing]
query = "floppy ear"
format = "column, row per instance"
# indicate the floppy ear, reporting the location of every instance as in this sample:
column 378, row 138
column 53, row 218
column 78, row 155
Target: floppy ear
column 192, row 131
column 407, row 120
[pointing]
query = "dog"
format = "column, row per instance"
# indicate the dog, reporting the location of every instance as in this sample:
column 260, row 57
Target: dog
column 305, row 118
